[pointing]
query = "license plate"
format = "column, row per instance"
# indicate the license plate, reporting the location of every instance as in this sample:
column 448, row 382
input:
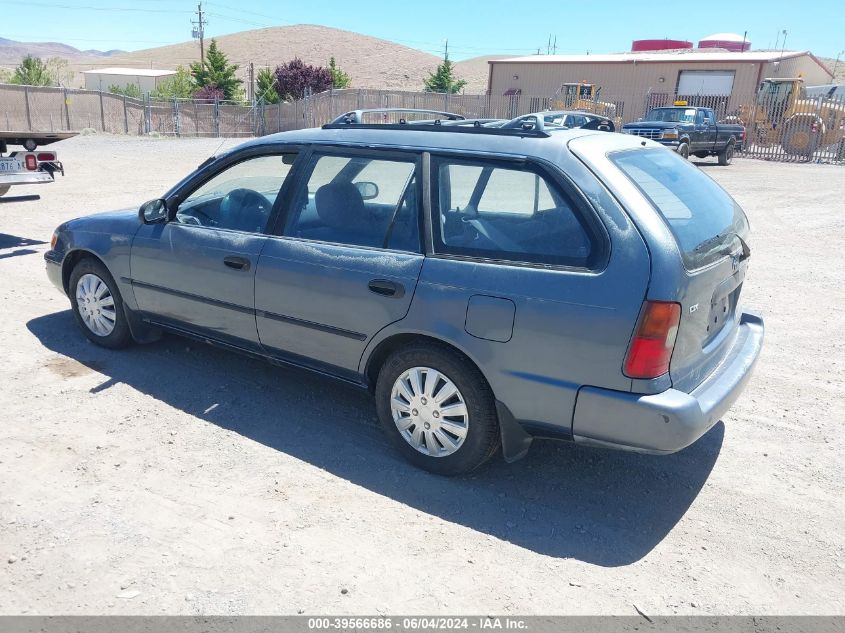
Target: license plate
column 10, row 165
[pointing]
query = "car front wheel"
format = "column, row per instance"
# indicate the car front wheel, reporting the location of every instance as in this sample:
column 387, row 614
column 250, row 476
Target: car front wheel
column 683, row 150
column 437, row 409
column 97, row 305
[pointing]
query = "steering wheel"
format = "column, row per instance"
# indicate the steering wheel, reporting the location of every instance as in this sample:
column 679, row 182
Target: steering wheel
column 244, row 209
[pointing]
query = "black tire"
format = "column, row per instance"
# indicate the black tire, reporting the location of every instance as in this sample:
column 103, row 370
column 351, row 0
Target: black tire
column 798, row 138
column 683, row 150
column 727, row 154
column 120, row 336
column 482, row 436
column 4, row 189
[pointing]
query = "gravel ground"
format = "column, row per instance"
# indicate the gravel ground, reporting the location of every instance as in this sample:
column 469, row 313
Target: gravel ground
column 176, row 478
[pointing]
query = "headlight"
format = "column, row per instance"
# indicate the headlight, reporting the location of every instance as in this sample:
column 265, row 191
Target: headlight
column 670, row 134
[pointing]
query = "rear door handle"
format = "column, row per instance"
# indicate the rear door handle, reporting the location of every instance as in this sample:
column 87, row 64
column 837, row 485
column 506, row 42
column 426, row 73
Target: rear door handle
column 387, row 288
column 238, row 263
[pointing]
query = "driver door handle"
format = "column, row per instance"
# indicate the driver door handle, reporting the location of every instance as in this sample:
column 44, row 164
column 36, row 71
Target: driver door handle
column 238, row 263
column 387, row 288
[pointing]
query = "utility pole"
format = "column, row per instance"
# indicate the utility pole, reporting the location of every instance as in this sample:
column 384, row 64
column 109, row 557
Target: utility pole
column 251, row 90
column 836, row 63
column 198, row 31
column 554, row 46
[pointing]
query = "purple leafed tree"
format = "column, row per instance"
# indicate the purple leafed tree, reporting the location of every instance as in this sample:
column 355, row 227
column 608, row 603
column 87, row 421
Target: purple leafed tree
column 293, row 78
column 209, row 93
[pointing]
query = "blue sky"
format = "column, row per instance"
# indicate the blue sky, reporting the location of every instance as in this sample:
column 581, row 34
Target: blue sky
column 472, row 28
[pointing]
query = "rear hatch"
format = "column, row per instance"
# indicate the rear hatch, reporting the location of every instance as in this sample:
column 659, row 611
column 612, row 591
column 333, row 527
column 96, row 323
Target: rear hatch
column 711, row 233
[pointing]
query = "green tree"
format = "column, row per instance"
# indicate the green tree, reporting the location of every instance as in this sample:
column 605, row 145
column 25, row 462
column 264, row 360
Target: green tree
column 443, row 79
column 129, row 90
column 179, row 86
column 215, row 70
column 340, row 79
column 265, row 86
column 32, row 72
column 5, row 75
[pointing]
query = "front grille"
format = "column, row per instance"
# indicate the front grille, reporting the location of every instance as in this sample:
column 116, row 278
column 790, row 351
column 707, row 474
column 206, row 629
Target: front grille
column 648, row 132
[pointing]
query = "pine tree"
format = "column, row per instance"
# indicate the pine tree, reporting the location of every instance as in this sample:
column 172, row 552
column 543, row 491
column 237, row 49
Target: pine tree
column 32, row 72
column 443, row 79
column 265, row 86
column 340, row 79
column 216, row 71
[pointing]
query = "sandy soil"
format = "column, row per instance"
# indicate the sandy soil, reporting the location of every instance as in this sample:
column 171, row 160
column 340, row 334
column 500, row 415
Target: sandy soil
column 176, row 478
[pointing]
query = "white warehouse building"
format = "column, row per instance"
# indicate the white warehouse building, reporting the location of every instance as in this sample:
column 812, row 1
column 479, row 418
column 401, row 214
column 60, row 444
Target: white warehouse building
column 145, row 79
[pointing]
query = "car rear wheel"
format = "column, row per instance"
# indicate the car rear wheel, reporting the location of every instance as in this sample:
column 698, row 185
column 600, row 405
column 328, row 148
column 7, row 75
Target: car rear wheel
column 97, row 305
column 683, row 150
column 726, row 155
column 437, row 409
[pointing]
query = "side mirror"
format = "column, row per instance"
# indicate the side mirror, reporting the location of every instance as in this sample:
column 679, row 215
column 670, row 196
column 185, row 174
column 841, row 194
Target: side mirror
column 368, row 190
column 153, row 212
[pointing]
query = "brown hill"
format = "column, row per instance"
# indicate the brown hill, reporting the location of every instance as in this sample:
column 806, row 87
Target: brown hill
column 371, row 62
column 839, row 69
column 12, row 52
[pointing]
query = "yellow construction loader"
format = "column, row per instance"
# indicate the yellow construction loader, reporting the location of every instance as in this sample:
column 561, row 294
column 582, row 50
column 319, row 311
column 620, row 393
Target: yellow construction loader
column 783, row 115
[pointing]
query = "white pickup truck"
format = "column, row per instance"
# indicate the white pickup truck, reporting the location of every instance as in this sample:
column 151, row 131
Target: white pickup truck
column 32, row 166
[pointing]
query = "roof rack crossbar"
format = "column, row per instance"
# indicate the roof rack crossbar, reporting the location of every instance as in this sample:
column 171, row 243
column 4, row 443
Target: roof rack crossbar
column 355, row 117
column 530, row 131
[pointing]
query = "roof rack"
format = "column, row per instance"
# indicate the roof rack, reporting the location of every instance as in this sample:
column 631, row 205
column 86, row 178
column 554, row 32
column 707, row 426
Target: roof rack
column 453, row 123
column 356, row 116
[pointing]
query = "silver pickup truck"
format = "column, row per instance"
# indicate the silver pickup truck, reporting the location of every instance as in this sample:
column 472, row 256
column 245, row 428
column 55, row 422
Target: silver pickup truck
column 31, row 166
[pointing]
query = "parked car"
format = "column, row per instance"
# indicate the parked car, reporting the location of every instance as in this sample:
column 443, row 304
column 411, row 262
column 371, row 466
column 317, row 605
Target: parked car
column 566, row 119
column 487, row 285
column 690, row 130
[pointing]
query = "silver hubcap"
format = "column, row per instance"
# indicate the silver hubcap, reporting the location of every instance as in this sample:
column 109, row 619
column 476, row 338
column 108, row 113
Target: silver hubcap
column 95, row 304
column 429, row 411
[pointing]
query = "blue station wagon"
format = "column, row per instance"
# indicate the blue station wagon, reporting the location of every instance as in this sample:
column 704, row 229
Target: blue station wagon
column 488, row 286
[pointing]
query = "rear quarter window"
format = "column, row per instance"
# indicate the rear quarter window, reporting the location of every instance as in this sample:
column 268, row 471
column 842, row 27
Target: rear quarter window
column 704, row 220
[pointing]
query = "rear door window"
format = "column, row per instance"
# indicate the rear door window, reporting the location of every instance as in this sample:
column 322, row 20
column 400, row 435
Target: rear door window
column 494, row 210
column 703, row 218
column 357, row 201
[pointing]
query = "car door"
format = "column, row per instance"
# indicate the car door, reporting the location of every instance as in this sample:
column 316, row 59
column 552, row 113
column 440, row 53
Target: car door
column 195, row 272
column 344, row 262
column 707, row 131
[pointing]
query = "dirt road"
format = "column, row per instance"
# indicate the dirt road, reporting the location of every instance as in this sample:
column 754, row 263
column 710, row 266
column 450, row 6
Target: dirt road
column 176, row 478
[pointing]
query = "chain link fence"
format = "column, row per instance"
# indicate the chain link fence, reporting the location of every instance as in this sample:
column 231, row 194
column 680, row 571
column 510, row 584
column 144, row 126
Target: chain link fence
column 781, row 125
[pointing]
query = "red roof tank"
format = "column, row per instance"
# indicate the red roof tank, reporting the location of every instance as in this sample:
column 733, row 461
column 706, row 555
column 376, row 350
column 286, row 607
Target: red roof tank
column 640, row 46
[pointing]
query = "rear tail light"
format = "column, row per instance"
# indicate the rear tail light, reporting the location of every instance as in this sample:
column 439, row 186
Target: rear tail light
column 654, row 339
column 742, row 135
column 31, row 163
column 46, row 156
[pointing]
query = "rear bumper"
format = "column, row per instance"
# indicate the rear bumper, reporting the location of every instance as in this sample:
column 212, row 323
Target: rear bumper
column 671, row 420
column 25, row 178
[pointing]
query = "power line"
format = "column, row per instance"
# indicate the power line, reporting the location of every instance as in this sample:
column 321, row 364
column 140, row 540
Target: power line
column 77, row 7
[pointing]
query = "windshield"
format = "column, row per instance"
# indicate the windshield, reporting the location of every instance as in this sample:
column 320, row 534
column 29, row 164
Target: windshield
column 672, row 115
column 705, row 221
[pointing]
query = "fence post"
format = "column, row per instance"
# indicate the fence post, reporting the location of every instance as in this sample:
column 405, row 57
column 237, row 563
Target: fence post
column 28, row 114
column 177, row 128
column 102, row 113
column 216, row 117
column 67, row 108
column 280, row 116
column 125, row 117
column 148, row 124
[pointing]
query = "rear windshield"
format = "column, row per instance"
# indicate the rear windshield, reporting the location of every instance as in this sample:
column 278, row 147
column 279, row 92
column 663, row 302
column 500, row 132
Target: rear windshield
column 704, row 219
